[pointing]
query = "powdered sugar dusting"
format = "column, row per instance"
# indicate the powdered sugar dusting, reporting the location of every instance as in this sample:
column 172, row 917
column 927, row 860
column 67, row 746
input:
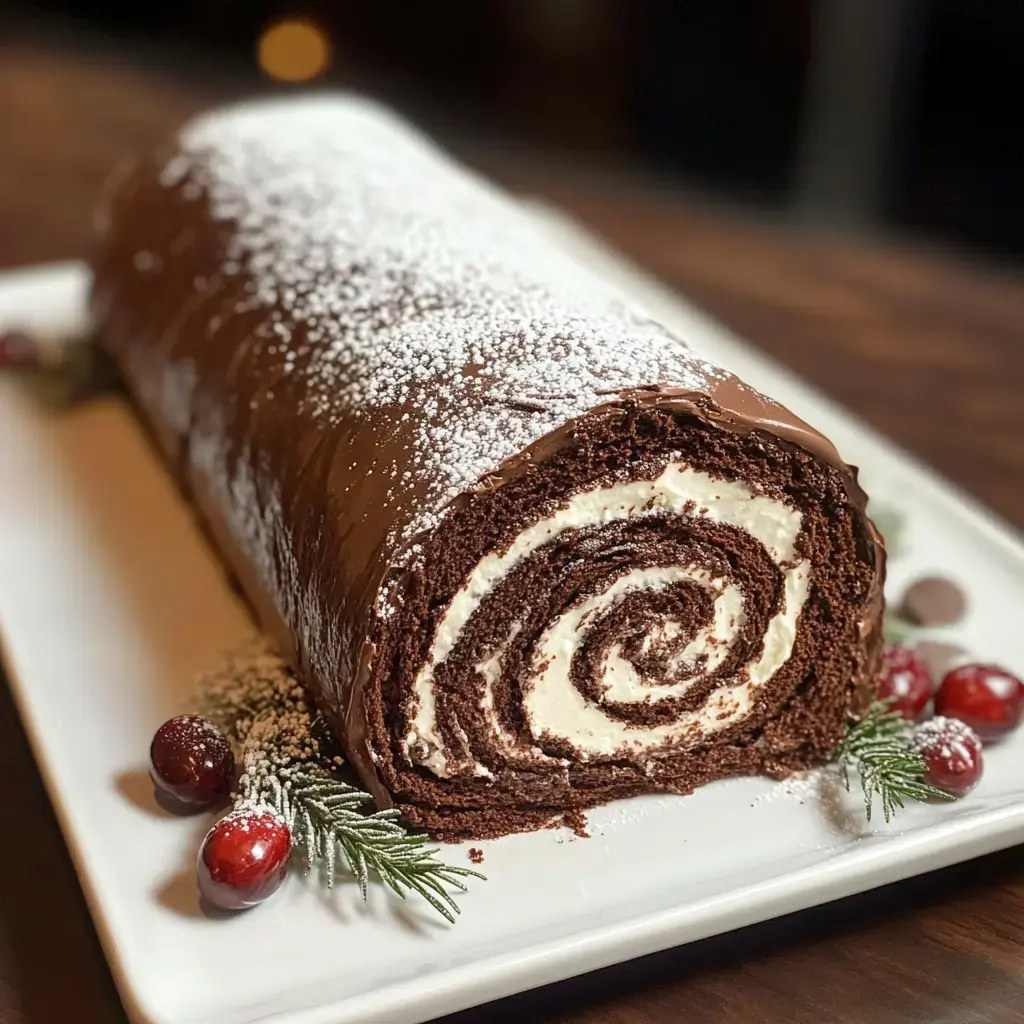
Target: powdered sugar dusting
column 254, row 698
column 947, row 738
column 800, row 786
column 397, row 280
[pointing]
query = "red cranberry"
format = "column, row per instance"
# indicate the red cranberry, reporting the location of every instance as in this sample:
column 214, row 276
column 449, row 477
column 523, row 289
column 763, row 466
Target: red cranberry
column 18, row 351
column 192, row 761
column 988, row 699
column 905, row 680
column 244, row 859
column 952, row 754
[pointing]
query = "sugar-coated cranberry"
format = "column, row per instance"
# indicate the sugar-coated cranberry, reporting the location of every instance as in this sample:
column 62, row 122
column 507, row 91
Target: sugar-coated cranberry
column 952, row 754
column 244, row 859
column 191, row 760
column 905, row 680
column 989, row 699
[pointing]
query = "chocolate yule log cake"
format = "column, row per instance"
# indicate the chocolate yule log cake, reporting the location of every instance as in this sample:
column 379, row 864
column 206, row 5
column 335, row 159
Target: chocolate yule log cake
column 528, row 551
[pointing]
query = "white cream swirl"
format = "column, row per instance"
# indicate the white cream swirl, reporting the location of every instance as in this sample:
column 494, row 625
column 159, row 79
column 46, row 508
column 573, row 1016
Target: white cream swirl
column 552, row 704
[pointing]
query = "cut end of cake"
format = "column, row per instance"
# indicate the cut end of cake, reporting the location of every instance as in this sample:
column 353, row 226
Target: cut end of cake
column 658, row 603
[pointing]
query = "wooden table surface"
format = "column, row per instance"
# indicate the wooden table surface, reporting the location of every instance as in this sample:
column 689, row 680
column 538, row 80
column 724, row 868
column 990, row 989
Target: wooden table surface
column 928, row 350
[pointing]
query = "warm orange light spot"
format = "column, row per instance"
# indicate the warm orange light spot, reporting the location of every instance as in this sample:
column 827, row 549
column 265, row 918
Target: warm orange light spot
column 293, row 51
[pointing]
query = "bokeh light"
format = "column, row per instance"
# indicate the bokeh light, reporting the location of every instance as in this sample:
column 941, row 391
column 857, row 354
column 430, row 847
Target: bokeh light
column 293, row 50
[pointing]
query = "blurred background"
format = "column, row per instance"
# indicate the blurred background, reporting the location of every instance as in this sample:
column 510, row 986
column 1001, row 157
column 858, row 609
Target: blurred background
column 897, row 116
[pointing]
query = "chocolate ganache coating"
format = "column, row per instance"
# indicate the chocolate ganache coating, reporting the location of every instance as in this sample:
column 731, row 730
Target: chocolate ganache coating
column 529, row 552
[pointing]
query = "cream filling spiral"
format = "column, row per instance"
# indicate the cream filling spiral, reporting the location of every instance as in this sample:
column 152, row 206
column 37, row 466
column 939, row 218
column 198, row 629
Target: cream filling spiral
column 553, row 706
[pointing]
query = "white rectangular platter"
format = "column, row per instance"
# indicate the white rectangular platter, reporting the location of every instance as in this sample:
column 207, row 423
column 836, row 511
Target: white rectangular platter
column 110, row 602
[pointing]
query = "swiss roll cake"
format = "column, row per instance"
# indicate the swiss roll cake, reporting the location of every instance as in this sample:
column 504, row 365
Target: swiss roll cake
column 529, row 552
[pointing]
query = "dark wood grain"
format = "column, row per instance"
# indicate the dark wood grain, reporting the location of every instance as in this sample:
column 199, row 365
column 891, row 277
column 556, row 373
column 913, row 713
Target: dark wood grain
column 927, row 349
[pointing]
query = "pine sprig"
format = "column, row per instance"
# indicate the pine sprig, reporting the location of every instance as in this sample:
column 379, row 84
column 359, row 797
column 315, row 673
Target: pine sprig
column 289, row 767
column 325, row 817
column 879, row 749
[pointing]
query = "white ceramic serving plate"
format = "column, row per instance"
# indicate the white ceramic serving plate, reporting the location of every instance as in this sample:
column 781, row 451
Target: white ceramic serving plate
column 110, row 601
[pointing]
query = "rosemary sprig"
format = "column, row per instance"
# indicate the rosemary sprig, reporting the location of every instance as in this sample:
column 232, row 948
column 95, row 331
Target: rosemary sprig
column 325, row 817
column 878, row 747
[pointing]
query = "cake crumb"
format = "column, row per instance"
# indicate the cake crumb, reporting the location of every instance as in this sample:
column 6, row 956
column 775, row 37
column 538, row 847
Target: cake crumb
column 577, row 821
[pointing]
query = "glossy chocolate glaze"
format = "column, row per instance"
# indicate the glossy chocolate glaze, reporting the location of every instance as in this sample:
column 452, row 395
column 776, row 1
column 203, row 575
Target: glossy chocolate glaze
column 315, row 514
